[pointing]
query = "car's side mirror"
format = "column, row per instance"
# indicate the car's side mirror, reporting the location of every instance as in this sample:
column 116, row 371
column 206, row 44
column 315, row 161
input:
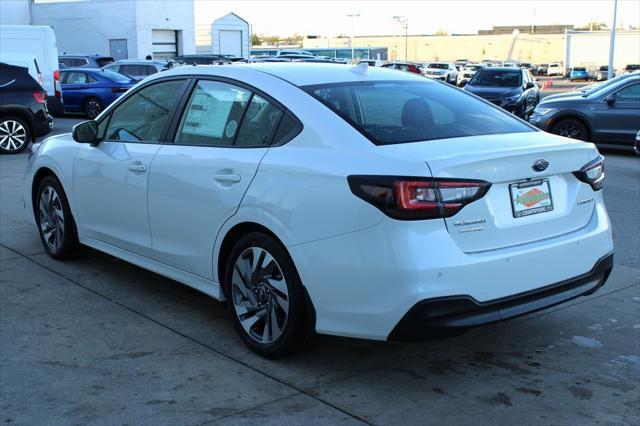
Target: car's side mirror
column 529, row 85
column 610, row 100
column 86, row 132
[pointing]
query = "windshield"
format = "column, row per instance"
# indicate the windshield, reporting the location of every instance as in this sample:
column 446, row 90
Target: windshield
column 392, row 112
column 604, row 88
column 497, row 78
column 439, row 66
column 595, row 87
column 473, row 67
column 114, row 76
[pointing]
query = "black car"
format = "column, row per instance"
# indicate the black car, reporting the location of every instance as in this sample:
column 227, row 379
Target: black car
column 23, row 109
column 608, row 116
column 513, row 89
column 86, row 61
column 202, row 59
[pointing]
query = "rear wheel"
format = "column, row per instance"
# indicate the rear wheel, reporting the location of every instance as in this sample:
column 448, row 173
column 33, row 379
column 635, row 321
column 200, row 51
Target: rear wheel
column 14, row 135
column 571, row 128
column 92, row 107
column 265, row 296
column 55, row 224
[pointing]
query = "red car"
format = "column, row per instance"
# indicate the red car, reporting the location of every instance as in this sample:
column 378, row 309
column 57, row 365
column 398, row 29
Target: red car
column 403, row 66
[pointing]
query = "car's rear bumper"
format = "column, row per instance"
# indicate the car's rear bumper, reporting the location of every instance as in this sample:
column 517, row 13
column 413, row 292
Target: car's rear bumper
column 446, row 316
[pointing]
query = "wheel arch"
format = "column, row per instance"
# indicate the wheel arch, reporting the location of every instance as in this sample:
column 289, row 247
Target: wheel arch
column 35, row 183
column 226, row 245
column 574, row 116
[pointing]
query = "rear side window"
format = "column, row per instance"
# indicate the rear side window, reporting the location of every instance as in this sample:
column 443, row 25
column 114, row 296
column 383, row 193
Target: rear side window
column 213, row 114
column 258, row 123
column 393, row 112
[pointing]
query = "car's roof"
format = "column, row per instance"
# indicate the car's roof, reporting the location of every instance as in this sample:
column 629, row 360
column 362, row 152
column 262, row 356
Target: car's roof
column 302, row 73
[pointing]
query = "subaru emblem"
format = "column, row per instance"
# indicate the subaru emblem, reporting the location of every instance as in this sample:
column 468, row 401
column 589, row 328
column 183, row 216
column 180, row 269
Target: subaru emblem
column 540, row 165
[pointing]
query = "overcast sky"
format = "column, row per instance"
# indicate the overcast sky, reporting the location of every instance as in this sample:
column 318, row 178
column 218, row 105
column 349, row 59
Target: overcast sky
column 328, row 17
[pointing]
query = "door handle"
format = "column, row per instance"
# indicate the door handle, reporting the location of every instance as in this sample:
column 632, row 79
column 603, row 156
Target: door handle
column 228, row 178
column 137, row 168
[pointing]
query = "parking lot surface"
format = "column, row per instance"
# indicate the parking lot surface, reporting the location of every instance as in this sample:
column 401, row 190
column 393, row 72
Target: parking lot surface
column 99, row 341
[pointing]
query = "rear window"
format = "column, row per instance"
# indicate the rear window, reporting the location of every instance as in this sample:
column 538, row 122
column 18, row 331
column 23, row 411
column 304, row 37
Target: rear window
column 579, row 69
column 632, row 67
column 104, row 61
column 392, row 112
column 438, row 66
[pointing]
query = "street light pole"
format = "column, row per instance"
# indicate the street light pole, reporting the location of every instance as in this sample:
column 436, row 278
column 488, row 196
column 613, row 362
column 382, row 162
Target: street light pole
column 353, row 17
column 404, row 23
column 612, row 43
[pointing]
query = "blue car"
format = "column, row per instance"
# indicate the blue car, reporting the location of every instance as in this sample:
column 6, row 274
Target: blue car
column 579, row 73
column 89, row 91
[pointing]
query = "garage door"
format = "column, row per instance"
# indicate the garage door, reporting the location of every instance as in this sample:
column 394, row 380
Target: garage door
column 165, row 43
column 231, row 42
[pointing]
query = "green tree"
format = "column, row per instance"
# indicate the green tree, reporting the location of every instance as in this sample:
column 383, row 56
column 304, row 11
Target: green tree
column 255, row 40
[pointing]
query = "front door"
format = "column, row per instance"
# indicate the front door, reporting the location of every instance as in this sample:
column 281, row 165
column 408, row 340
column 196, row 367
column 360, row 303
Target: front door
column 110, row 180
column 198, row 182
column 618, row 121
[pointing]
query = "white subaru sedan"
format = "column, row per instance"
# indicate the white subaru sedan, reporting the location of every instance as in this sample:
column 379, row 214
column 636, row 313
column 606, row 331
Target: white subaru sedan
column 342, row 200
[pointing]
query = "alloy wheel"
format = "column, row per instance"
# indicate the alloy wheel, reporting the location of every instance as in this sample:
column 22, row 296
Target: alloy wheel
column 51, row 218
column 13, row 135
column 93, row 108
column 570, row 131
column 259, row 295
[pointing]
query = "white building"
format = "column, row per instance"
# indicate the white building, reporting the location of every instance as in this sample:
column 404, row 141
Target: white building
column 591, row 49
column 118, row 28
column 231, row 35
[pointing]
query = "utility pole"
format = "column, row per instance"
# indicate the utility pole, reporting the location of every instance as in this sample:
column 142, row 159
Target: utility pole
column 404, row 23
column 353, row 17
column 612, row 43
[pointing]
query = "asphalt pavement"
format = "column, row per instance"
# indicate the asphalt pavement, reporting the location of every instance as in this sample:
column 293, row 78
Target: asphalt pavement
column 99, row 341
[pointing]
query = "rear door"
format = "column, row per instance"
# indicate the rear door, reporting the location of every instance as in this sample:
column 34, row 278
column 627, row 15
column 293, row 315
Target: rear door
column 73, row 85
column 198, row 182
column 618, row 122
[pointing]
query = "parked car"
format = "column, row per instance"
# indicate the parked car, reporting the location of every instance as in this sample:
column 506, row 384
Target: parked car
column 467, row 72
column 39, row 41
column 202, row 59
column 370, row 62
column 608, row 116
column 138, row 70
column 591, row 88
column 528, row 66
column 555, row 70
column 23, row 110
column 542, row 69
column 512, row 89
column 444, row 71
column 603, row 73
column 579, row 73
column 85, row 61
column 403, row 66
column 631, row 68
column 90, row 90
column 382, row 205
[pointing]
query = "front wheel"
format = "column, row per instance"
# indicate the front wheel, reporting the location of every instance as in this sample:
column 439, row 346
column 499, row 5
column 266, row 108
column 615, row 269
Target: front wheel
column 55, row 224
column 265, row 296
column 571, row 128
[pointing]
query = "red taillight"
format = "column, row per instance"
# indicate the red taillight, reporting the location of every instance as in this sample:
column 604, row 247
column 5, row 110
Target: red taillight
column 40, row 97
column 119, row 89
column 56, row 83
column 417, row 198
column 592, row 173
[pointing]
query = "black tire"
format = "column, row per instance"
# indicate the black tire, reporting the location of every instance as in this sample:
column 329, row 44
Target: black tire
column 295, row 330
column 66, row 243
column 571, row 128
column 15, row 135
column 92, row 107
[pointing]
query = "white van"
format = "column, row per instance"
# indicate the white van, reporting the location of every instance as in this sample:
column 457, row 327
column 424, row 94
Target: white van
column 40, row 42
column 24, row 60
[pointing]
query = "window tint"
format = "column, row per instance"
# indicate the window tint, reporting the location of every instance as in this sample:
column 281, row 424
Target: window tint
column 74, row 77
column 213, row 114
column 288, row 129
column 142, row 116
column 90, row 78
column 258, row 123
column 104, row 61
column 135, row 70
column 68, row 62
column 497, row 78
column 117, row 77
column 400, row 111
column 629, row 94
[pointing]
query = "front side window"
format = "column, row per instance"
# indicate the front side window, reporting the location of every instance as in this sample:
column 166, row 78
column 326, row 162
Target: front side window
column 393, row 112
column 629, row 94
column 213, row 114
column 143, row 115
